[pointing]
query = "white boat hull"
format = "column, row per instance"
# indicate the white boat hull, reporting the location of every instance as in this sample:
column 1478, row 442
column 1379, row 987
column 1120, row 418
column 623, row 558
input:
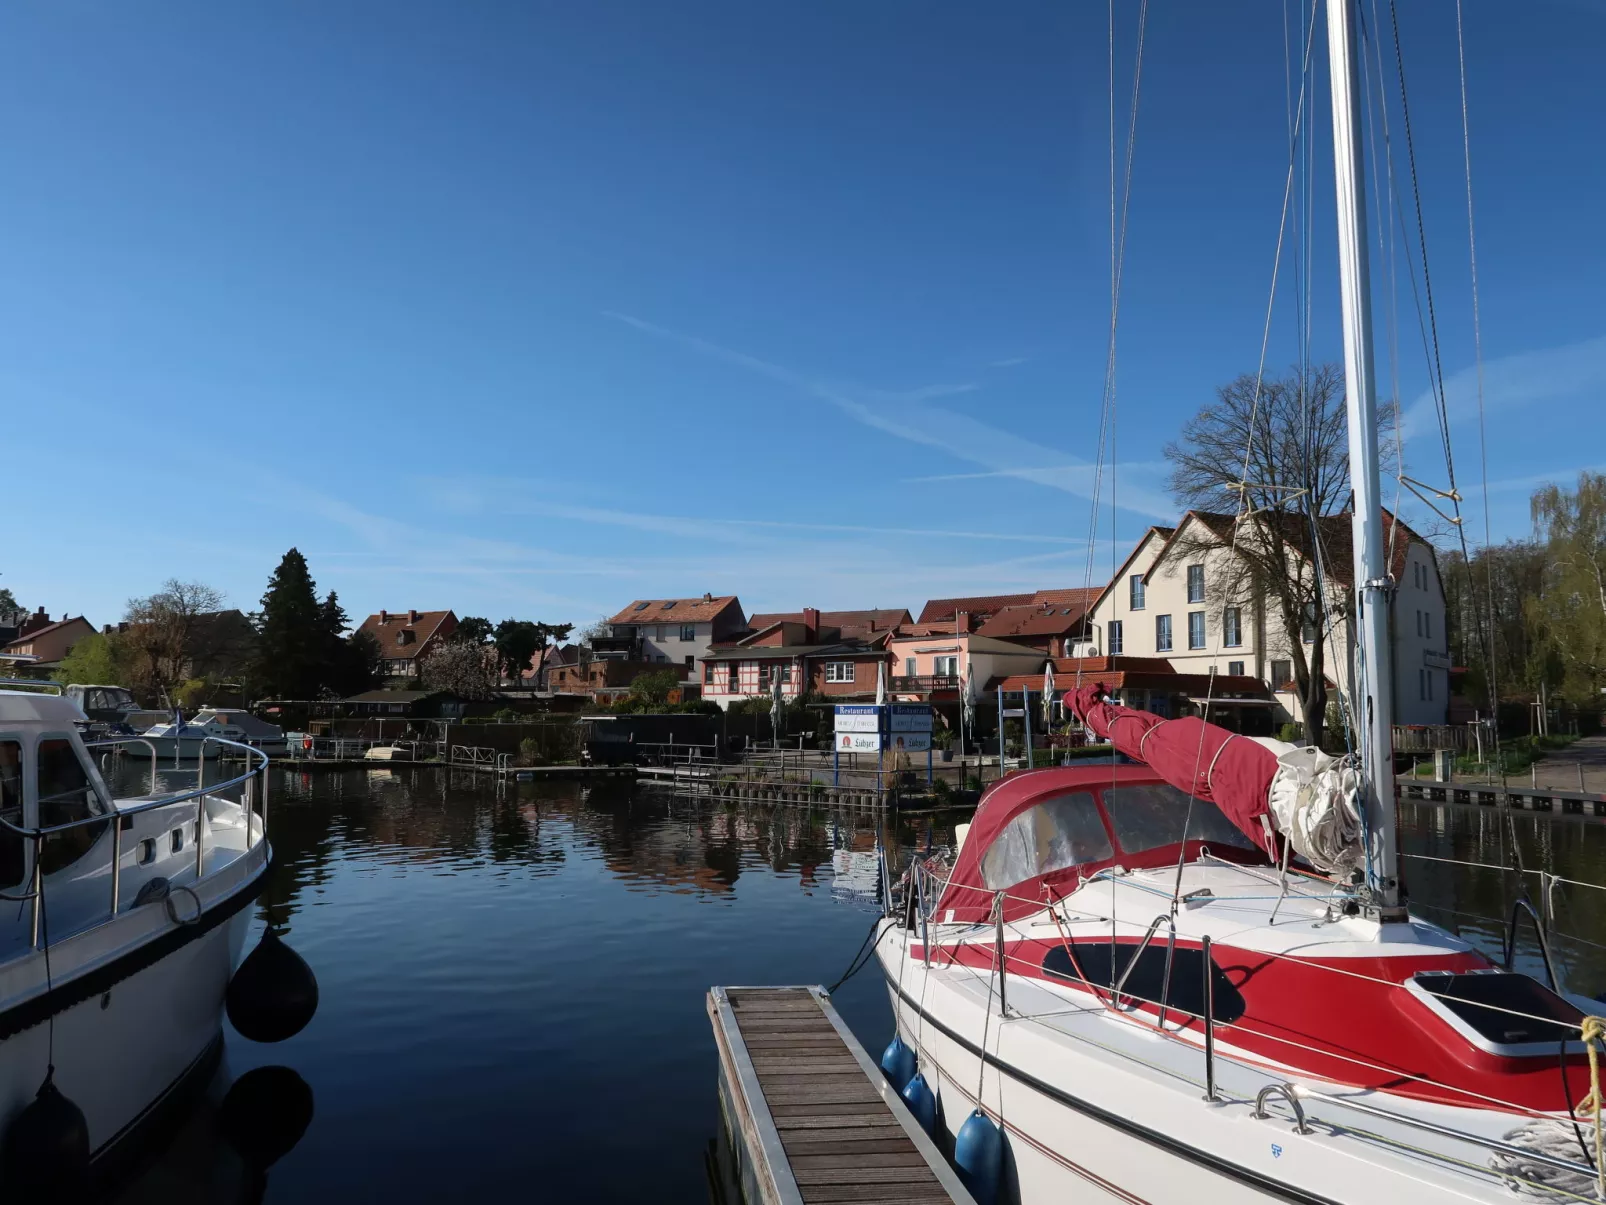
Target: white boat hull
column 119, row 1053
column 1095, row 1109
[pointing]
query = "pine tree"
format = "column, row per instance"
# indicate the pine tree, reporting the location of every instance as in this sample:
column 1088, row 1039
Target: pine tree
column 292, row 631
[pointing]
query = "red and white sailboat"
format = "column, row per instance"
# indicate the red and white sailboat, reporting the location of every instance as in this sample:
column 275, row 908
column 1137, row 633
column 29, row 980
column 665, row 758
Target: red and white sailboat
column 1195, row 979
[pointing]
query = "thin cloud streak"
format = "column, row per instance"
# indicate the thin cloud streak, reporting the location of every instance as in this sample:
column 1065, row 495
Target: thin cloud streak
column 905, row 416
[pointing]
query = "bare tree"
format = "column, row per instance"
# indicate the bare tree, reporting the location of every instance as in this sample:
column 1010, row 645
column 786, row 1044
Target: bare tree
column 1274, row 457
column 159, row 633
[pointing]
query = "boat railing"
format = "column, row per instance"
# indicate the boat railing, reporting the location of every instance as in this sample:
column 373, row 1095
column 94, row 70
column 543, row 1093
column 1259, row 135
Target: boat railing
column 129, row 740
column 35, row 684
column 926, row 899
column 254, row 786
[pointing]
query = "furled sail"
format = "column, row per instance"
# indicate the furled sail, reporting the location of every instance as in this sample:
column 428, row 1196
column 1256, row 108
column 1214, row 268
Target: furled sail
column 1265, row 787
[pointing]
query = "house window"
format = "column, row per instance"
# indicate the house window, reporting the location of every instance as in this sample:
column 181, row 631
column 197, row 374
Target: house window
column 660, row 659
column 1115, row 637
column 945, row 667
column 1235, row 669
column 1282, row 673
column 688, row 632
column 1427, row 628
column 691, row 665
column 1232, row 629
column 736, row 678
column 1196, row 630
column 839, row 671
column 1195, row 583
column 1430, row 686
column 1422, row 684
column 708, row 674
column 1162, row 633
column 1307, row 628
column 908, row 667
column 1135, row 589
column 1419, row 623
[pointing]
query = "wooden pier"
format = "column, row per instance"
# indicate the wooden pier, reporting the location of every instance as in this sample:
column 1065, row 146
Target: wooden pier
column 807, row 1113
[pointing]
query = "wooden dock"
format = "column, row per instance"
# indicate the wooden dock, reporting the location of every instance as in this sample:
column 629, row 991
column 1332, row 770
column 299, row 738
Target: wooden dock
column 807, row 1113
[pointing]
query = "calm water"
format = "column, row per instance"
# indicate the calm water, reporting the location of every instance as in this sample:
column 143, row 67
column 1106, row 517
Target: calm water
column 512, row 986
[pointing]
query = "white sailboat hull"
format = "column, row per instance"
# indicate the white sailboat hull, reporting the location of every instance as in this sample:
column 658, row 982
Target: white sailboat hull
column 1097, row 1109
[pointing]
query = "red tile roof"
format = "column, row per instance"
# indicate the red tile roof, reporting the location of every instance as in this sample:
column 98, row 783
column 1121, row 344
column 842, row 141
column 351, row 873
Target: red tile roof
column 675, row 610
column 428, row 625
column 1033, row 621
column 982, row 606
column 850, row 623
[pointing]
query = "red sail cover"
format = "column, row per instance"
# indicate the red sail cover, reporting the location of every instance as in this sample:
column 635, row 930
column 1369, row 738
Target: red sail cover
column 1210, row 763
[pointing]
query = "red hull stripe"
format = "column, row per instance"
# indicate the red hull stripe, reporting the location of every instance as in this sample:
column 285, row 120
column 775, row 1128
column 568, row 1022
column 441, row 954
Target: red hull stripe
column 1332, row 1019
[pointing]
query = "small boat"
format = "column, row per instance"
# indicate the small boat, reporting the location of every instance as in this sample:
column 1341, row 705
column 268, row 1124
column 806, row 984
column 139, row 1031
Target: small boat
column 176, row 740
column 115, row 959
column 237, row 724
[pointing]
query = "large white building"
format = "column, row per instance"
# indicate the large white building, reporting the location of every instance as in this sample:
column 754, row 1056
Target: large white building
column 1182, row 595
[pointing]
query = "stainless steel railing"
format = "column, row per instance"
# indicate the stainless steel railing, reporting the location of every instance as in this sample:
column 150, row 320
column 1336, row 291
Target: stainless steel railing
column 114, row 816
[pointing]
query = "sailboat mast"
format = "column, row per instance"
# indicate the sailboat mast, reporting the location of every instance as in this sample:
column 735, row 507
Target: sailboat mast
column 1372, row 689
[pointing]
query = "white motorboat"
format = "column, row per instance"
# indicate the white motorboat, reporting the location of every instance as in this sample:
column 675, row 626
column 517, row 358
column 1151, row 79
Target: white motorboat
column 1195, row 979
column 237, row 724
column 127, row 921
column 207, row 734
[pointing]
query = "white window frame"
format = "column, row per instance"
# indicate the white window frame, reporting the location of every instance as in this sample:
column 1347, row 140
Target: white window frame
column 1117, row 637
column 834, row 671
column 1163, row 623
column 1196, row 576
column 1137, row 593
column 1232, row 627
column 1196, row 640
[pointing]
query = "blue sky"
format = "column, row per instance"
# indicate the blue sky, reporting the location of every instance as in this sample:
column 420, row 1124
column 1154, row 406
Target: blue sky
column 533, row 308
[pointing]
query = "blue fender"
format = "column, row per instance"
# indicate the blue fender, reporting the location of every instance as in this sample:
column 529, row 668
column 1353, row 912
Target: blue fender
column 922, row 1101
column 898, row 1064
column 979, row 1157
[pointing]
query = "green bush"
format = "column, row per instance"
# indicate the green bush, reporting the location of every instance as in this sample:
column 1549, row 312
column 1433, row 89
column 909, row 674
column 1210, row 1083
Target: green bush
column 531, row 753
column 1292, row 733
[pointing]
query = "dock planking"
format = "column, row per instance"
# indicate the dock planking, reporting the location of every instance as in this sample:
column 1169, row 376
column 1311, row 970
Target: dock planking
column 809, row 1115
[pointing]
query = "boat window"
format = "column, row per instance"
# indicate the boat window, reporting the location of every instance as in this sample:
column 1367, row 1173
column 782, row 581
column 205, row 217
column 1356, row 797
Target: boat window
column 1102, row 963
column 1502, row 1011
column 1151, row 815
column 65, row 795
column 1059, row 832
column 12, row 866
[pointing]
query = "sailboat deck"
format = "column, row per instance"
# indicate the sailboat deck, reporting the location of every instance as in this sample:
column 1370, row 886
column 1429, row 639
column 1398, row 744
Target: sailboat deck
column 809, row 1115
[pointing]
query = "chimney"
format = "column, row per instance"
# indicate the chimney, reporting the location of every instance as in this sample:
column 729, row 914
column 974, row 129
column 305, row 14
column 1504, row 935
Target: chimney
column 412, row 617
column 811, row 624
column 384, row 617
column 708, row 597
column 961, row 622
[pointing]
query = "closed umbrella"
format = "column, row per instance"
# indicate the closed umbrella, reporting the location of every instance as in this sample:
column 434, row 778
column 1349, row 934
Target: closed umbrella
column 967, row 696
column 1048, row 694
column 881, row 683
column 775, row 706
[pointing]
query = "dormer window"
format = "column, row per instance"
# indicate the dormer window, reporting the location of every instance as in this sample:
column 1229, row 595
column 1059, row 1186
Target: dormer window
column 404, row 636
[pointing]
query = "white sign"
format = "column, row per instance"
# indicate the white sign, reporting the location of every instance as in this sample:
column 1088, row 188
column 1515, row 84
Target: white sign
column 857, row 723
column 858, row 742
column 909, row 742
column 1435, row 659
